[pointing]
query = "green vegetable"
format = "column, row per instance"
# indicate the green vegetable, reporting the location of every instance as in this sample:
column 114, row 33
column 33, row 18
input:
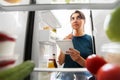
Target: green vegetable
column 113, row 27
column 18, row 72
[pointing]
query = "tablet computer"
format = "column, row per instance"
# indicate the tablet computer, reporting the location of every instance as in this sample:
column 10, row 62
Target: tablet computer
column 64, row 45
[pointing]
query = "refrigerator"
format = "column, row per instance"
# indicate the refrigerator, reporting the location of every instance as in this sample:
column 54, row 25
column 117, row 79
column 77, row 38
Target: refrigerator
column 33, row 22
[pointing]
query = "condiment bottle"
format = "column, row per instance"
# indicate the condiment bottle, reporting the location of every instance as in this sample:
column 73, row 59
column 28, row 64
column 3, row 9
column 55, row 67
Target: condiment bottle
column 52, row 62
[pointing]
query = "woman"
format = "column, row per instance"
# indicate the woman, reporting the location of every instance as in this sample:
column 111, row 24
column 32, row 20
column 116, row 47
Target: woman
column 75, row 58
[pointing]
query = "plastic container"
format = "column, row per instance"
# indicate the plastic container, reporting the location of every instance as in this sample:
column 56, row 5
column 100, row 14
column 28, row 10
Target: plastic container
column 111, row 52
column 7, row 56
column 8, row 61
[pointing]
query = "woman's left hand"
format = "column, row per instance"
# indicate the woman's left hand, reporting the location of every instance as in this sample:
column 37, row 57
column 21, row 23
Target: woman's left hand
column 75, row 54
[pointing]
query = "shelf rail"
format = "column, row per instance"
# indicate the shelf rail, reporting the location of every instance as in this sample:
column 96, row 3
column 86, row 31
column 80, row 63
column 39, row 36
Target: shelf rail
column 59, row 69
column 37, row 7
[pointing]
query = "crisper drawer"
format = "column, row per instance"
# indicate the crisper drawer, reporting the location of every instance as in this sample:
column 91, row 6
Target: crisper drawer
column 47, row 36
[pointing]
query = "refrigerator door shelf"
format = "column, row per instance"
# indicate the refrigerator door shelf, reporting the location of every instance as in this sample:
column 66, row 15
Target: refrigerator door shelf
column 47, row 36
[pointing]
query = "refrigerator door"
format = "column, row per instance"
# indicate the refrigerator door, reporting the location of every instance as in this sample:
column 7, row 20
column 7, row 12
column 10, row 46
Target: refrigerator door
column 43, row 41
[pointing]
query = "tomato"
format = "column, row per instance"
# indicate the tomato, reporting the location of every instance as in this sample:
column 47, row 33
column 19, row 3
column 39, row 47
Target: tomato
column 94, row 62
column 109, row 72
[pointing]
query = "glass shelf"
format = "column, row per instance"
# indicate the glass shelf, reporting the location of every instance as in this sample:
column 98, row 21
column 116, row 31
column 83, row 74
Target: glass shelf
column 72, row 1
column 7, row 2
column 37, row 7
column 59, row 69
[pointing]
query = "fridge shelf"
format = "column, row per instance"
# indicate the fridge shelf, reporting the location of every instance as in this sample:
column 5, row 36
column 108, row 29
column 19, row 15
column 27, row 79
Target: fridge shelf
column 37, row 7
column 59, row 69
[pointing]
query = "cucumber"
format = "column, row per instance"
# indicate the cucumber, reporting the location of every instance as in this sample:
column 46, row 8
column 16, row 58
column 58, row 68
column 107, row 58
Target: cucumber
column 18, row 72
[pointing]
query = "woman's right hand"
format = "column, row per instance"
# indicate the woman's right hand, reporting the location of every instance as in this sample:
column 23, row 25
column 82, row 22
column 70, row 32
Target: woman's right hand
column 75, row 55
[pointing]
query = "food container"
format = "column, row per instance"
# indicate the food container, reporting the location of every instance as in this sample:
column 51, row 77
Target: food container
column 50, row 64
column 111, row 52
column 8, row 61
column 7, row 46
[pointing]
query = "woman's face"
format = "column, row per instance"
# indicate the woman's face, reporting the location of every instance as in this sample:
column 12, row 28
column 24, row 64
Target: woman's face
column 76, row 22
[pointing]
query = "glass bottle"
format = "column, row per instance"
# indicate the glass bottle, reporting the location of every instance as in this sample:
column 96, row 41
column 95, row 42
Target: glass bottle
column 52, row 62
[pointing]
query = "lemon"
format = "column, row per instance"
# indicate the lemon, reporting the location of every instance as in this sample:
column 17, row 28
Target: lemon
column 112, row 28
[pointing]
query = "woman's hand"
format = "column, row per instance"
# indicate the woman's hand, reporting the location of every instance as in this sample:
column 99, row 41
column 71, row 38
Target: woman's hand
column 75, row 55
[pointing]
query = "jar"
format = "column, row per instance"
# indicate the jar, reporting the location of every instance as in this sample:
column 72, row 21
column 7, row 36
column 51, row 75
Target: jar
column 111, row 52
column 51, row 63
